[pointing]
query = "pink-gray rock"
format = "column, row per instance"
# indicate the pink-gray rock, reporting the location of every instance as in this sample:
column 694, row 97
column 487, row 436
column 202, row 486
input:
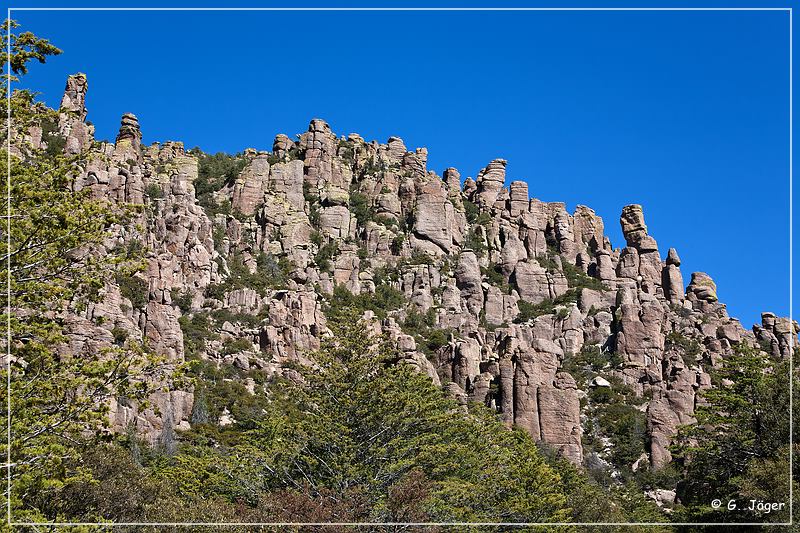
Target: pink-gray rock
column 251, row 185
column 702, row 287
column 489, row 182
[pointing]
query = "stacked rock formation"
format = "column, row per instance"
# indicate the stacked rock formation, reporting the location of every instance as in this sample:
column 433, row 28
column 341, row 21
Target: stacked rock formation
column 475, row 258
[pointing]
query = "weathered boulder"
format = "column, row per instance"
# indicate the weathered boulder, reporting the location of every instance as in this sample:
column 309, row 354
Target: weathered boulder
column 702, row 287
column 588, row 229
column 489, row 182
column 634, row 229
column 536, row 284
column 434, row 214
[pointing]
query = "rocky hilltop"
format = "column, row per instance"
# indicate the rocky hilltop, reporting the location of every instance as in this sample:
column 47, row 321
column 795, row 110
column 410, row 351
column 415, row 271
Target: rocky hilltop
column 499, row 297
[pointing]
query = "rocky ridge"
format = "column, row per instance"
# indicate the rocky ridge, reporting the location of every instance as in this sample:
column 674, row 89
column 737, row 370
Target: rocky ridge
column 505, row 300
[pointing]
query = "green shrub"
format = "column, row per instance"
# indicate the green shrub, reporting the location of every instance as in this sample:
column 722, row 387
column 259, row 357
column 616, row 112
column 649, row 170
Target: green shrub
column 690, row 348
column 200, row 407
column 421, row 326
column 385, row 274
column 295, row 154
column 548, row 262
column 213, row 173
column 248, row 320
column 217, row 170
column 154, row 191
column 528, row 311
column 483, row 219
column 626, row 426
column 418, row 257
column 134, row 289
column 372, row 167
column 666, row 477
column 397, row 243
column 577, row 279
column 347, row 151
column 120, row 335
column 270, row 274
column 325, row 254
column 417, row 322
column 495, row 277
column 386, row 221
column 50, row 134
column 223, row 387
column 213, row 208
column 313, row 215
column 600, row 395
column 475, row 243
column 236, row 346
column 182, row 299
column 196, row 329
column 437, row 338
column 590, row 361
column 133, row 249
column 594, row 357
column 218, row 236
column 385, row 299
column 309, row 195
column 471, row 211
column 360, row 207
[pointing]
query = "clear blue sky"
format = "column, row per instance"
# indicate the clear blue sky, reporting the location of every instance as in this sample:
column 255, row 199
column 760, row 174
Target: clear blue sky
column 686, row 113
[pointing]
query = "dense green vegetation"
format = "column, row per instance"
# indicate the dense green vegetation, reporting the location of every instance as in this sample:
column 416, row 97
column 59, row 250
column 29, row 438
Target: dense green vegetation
column 324, row 256
column 51, row 136
column 577, row 279
column 612, row 413
column 548, row 306
column 495, row 277
column 360, row 207
column 471, row 211
column 739, row 450
column 270, row 273
column 356, row 439
column 589, row 362
column 421, row 326
column 133, row 288
column 197, row 329
column 213, row 173
column 690, row 349
column 475, row 242
column 385, row 299
column 154, row 191
column 58, row 401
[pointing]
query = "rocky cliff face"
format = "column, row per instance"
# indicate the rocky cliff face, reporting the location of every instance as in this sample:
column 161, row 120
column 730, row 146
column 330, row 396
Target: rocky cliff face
column 504, row 296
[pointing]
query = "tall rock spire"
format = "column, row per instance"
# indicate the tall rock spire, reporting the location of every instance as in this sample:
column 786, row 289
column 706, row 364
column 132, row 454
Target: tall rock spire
column 74, row 99
column 671, row 277
column 642, row 249
column 129, row 131
column 72, row 115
